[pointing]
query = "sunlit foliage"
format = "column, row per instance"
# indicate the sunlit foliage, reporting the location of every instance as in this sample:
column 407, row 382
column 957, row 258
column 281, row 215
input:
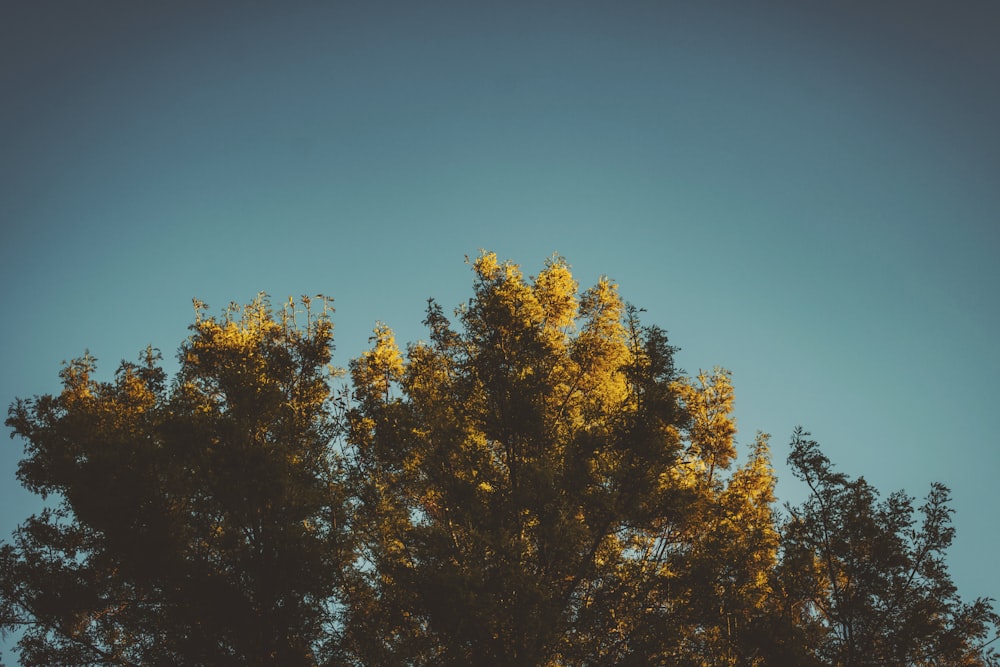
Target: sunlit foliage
column 550, row 489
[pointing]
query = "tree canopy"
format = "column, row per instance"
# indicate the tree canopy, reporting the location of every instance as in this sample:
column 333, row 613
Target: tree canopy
column 536, row 483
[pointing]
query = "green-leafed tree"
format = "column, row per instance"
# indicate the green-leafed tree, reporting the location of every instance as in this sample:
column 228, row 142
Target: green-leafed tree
column 197, row 524
column 866, row 581
column 541, row 486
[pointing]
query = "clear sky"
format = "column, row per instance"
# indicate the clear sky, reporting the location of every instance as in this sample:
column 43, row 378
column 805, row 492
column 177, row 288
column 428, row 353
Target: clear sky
column 804, row 193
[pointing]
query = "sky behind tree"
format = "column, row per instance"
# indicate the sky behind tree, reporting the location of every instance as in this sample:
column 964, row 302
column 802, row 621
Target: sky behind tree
column 805, row 194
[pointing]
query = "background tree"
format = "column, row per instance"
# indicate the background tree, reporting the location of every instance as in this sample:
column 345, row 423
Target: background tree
column 869, row 586
column 202, row 524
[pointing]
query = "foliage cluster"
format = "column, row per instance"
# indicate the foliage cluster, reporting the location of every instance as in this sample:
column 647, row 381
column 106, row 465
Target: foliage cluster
column 536, row 484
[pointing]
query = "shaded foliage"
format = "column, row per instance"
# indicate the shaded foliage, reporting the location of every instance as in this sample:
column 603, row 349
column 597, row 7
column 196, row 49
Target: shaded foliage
column 869, row 576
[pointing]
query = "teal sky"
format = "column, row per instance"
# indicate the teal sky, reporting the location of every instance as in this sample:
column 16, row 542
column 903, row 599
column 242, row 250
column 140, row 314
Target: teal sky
column 804, row 193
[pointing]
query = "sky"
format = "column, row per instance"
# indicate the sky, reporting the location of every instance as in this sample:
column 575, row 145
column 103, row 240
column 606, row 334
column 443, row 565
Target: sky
column 804, row 193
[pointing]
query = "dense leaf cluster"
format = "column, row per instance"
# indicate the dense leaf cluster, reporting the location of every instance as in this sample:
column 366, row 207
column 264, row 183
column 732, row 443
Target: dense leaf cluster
column 536, row 484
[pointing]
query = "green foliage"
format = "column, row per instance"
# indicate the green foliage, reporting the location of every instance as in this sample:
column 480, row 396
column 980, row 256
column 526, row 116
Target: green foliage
column 536, row 484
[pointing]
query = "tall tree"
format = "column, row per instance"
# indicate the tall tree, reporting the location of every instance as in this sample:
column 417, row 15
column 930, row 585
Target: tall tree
column 542, row 486
column 199, row 524
column 868, row 581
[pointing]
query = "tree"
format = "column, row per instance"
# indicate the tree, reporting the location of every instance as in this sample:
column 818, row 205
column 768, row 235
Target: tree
column 202, row 524
column 535, row 484
column 868, row 585
column 546, row 488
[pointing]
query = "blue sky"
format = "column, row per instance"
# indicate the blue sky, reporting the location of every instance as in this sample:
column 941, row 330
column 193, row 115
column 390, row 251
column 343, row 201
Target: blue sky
column 804, row 193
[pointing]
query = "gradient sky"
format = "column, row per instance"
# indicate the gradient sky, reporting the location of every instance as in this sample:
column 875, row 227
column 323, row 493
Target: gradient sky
column 804, row 193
